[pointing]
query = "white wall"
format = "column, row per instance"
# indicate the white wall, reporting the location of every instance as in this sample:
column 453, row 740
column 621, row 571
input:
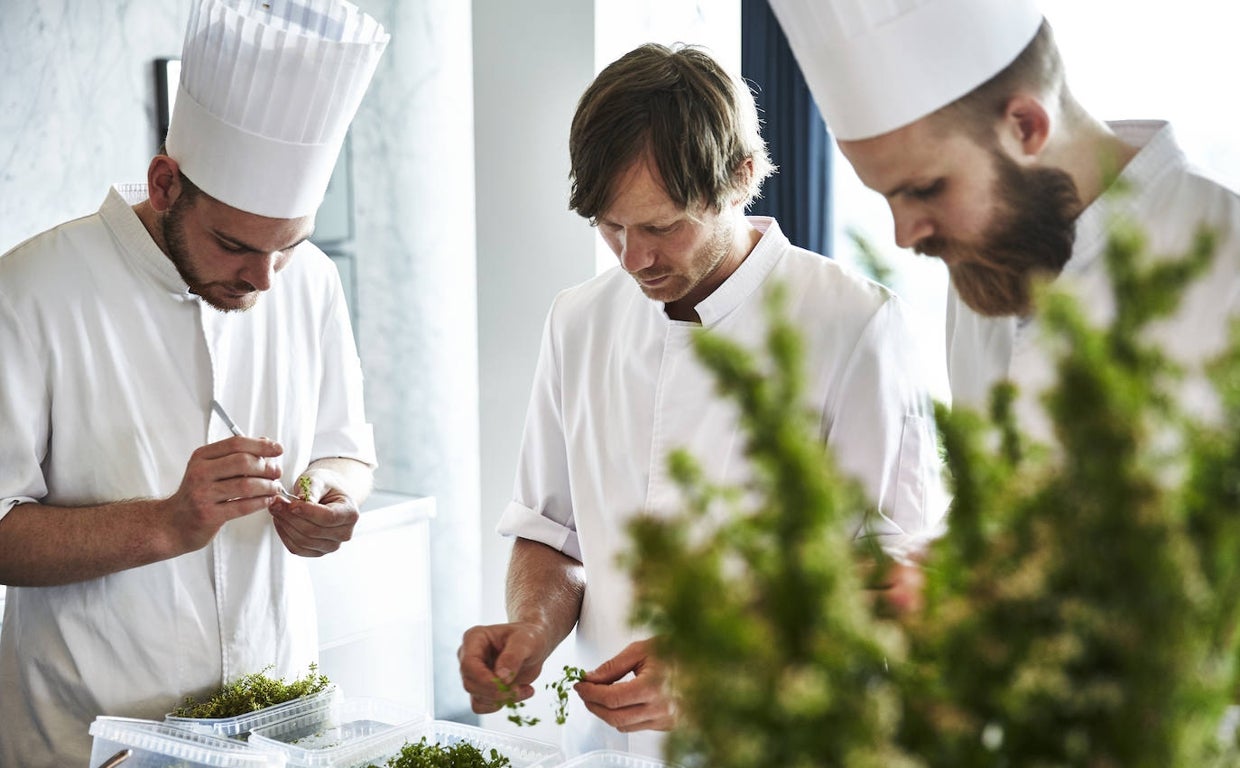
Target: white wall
column 531, row 62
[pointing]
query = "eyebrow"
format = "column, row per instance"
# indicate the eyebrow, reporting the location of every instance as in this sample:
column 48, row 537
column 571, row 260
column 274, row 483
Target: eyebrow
column 664, row 224
column 242, row 244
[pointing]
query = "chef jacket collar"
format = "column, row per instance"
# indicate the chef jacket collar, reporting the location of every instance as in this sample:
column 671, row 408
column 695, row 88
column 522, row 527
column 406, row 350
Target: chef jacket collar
column 1158, row 154
column 751, row 273
column 136, row 243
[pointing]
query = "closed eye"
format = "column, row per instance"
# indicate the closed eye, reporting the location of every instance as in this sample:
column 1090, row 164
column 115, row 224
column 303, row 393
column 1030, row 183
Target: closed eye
column 232, row 247
column 926, row 192
column 670, row 228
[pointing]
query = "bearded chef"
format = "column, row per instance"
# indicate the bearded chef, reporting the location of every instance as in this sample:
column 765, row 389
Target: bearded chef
column 666, row 154
column 959, row 113
column 148, row 551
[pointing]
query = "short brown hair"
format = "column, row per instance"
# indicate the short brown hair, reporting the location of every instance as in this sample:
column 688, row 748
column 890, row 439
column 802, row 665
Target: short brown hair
column 1038, row 68
column 696, row 123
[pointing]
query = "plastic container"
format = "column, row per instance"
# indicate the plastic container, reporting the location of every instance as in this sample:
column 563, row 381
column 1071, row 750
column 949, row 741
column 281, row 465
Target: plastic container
column 240, row 726
column 608, row 758
column 375, row 750
column 311, row 739
column 159, row 745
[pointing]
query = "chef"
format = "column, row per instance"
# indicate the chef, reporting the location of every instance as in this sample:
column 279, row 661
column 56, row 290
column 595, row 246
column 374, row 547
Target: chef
column 958, row 112
column 666, row 155
column 147, row 552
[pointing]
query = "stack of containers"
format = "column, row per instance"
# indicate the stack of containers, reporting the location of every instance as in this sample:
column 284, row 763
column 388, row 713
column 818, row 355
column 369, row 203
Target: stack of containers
column 240, row 726
column 324, row 730
column 153, row 744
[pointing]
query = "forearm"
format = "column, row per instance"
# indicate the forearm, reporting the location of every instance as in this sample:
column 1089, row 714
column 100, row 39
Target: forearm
column 545, row 587
column 354, row 478
column 43, row 546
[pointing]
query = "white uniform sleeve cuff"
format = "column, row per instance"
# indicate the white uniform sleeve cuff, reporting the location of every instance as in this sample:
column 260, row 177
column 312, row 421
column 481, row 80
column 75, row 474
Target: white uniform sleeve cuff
column 13, row 501
column 519, row 520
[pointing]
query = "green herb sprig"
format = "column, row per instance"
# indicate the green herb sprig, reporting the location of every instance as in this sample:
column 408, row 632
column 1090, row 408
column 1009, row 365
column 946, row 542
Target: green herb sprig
column 459, row 755
column 510, row 703
column 303, row 487
column 252, row 692
column 571, row 675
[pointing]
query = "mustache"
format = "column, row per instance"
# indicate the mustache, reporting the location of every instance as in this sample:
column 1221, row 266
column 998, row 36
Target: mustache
column 649, row 275
column 931, row 246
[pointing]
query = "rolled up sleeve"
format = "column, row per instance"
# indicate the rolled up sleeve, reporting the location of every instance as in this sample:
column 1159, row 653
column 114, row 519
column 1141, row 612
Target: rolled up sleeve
column 541, row 508
column 24, row 405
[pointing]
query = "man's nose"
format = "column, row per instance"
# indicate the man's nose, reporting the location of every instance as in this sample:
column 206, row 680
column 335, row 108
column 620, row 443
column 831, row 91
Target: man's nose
column 636, row 252
column 911, row 226
column 260, row 269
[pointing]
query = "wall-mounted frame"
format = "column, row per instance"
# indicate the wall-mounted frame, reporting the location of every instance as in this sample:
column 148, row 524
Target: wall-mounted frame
column 167, row 77
column 334, row 221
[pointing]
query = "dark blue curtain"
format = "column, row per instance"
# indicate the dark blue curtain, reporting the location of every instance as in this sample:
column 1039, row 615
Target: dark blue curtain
column 799, row 195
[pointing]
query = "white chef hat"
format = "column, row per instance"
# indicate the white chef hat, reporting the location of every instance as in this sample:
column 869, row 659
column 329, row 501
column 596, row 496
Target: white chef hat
column 877, row 65
column 267, row 92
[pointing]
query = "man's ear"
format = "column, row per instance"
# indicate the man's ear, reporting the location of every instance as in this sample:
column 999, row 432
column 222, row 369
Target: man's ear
column 744, row 178
column 163, row 182
column 1025, row 127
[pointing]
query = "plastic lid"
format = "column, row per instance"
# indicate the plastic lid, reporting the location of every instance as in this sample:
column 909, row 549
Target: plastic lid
column 168, row 740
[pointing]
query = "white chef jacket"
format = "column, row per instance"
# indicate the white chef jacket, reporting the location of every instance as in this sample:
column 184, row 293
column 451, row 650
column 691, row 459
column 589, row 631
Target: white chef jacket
column 109, row 368
column 1169, row 200
column 618, row 387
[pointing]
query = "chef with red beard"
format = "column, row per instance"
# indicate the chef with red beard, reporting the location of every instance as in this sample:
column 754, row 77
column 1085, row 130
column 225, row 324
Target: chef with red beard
column 959, row 113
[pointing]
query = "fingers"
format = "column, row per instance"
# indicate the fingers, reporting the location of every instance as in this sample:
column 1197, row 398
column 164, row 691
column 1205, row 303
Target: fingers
column 255, row 446
column 641, row 703
column 313, row 530
column 495, row 654
column 234, row 468
column 631, row 659
column 635, row 705
column 904, row 592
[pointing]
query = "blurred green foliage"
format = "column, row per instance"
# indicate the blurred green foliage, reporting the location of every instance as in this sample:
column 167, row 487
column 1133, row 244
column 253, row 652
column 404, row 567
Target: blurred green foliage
column 1080, row 611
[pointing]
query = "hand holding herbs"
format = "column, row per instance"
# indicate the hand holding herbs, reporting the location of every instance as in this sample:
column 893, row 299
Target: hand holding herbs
column 252, row 692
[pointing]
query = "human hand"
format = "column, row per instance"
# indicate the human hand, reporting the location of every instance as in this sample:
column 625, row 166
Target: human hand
column 644, row 703
column 898, row 590
column 318, row 522
column 224, row 480
column 500, row 662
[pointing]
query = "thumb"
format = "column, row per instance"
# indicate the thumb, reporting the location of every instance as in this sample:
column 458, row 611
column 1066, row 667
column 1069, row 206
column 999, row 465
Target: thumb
column 628, row 660
column 514, row 658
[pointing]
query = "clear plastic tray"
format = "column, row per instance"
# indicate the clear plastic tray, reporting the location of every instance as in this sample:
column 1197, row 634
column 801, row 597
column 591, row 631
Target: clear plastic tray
column 311, row 739
column 375, row 750
column 240, row 726
column 160, row 745
column 608, row 758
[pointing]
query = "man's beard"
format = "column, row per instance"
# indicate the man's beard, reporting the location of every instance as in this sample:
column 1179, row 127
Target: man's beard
column 706, row 260
column 1031, row 236
column 173, row 230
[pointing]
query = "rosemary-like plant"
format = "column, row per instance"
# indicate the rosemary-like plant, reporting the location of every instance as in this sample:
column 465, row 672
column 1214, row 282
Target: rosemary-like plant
column 1080, row 611
column 252, row 692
